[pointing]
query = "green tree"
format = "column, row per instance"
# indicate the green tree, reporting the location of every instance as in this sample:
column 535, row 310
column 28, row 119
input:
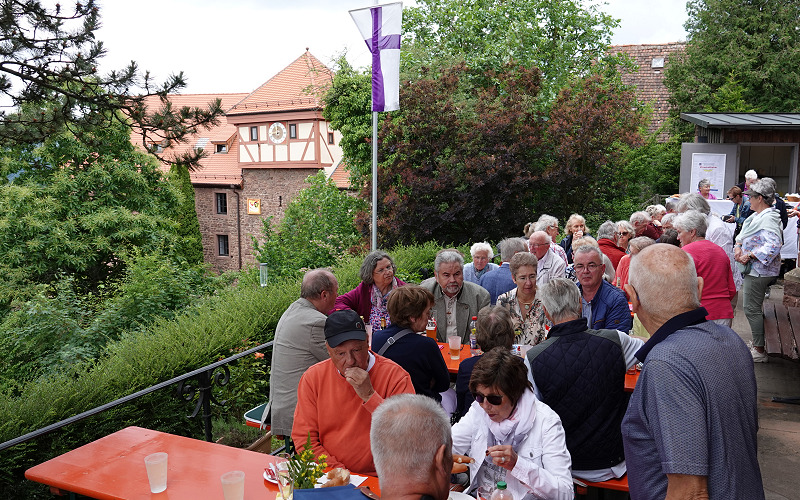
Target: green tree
column 190, row 241
column 751, row 45
column 79, row 207
column 317, row 228
column 48, row 71
column 560, row 37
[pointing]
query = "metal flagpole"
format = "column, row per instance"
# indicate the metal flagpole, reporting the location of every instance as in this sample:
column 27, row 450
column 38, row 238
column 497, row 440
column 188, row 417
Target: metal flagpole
column 375, row 175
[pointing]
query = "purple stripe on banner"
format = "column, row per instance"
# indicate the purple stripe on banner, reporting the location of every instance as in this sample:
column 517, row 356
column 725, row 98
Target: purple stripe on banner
column 377, row 43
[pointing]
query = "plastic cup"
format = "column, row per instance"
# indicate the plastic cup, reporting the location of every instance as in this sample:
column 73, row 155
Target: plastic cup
column 156, row 465
column 284, row 481
column 454, row 342
column 233, row 485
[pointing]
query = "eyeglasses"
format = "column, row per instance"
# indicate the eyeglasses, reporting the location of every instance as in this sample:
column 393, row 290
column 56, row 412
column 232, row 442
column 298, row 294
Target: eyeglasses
column 623, row 233
column 590, row 266
column 493, row 399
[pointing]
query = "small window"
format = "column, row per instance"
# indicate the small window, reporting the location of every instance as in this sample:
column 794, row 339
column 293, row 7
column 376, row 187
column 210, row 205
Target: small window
column 222, row 203
column 330, row 137
column 222, row 245
column 292, row 131
column 253, row 133
column 222, row 148
column 658, row 62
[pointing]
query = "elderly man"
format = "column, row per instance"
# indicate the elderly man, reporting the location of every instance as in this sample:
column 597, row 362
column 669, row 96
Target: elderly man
column 481, row 254
column 299, row 343
column 602, row 304
column 456, row 300
column 412, row 463
column 607, row 241
column 550, row 265
column 499, row 281
column 549, row 225
column 643, row 225
column 336, row 397
column 690, row 429
column 580, row 374
column 750, row 177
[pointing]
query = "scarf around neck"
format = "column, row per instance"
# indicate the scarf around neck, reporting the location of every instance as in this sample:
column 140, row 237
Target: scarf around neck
column 769, row 220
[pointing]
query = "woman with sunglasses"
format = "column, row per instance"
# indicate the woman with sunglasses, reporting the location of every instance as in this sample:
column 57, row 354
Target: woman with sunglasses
column 512, row 436
column 625, row 232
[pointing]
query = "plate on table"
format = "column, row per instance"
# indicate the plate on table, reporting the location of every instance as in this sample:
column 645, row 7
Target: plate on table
column 269, row 475
column 355, row 480
column 457, row 495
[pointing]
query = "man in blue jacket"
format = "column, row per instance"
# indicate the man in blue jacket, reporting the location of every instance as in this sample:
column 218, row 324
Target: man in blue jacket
column 602, row 304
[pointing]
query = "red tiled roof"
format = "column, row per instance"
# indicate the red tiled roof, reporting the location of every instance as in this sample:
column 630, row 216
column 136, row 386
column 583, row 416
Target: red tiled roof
column 297, row 87
column 216, row 168
column 341, row 176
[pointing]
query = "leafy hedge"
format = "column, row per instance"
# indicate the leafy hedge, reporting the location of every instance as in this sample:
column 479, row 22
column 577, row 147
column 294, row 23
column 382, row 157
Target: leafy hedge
column 170, row 347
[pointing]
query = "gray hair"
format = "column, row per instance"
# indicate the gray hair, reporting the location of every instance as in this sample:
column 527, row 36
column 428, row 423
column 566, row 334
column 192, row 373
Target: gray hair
column 588, row 249
column 317, row 281
column 640, row 217
column 586, row 240
column 703, row 182
column 623, row 224
column 693, row 201
column 407, row 430
column 544, row 222
column 446, row 257
column 662, row 267
column 638, row 244
column 572, row 220
column 481, row 247
column 370, row 263
column 541, row 234
column 751, row 174
column 691, row 219
column 672, row 204
column 509, row 246
column 522, row 259
column 606, row 230
column 668, row 219
column 766, row 187
column 653, row 210
column 561, row 299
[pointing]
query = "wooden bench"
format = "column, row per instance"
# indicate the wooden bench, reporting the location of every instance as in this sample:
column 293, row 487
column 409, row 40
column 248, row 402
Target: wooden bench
column 782, row 336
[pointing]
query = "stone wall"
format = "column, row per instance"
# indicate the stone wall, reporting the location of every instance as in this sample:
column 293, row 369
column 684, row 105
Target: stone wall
column 273, row 187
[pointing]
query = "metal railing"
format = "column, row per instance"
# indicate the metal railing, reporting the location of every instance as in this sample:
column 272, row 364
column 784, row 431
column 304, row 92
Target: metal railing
column 205, row 379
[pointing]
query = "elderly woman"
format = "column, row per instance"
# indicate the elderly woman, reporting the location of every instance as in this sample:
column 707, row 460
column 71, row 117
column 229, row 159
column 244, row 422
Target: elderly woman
column 704, row 188
column 513, row 436
column 409, row 309
column 493, row 329
column 635, row 246
column 369, row 298
column 549, row 225
column 480, row 265
column 758, row 253
column 656, row 212
column 625, row 232
column 527, row 313
column 575, row 228
column 712, row 264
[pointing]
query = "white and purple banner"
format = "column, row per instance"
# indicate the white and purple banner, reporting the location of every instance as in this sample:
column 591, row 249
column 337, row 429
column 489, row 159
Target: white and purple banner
column 380, row 27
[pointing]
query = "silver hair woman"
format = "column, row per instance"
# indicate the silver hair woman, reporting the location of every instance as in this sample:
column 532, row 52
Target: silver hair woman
column 575, row 228
column 481, row 264
column 369, row 298
column 526, row 311
column 758, row 255
column 704, row 188
column 656, row 212
column 625, row 231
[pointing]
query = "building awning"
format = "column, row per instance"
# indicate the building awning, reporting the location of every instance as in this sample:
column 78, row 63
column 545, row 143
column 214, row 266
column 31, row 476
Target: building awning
column 744, row 120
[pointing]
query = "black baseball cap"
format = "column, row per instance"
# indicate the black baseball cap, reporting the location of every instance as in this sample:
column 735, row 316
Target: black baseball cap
column 344, row 325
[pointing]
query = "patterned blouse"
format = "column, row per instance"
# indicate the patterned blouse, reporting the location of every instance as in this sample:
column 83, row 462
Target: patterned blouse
column 530, row 330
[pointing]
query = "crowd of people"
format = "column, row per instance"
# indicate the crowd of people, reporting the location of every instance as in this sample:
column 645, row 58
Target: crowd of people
column 586, row 310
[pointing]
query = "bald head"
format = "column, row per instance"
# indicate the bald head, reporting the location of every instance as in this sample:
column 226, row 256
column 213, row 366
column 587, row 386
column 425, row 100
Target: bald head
column 659, row 269
column 539, row 243
column 320, row 288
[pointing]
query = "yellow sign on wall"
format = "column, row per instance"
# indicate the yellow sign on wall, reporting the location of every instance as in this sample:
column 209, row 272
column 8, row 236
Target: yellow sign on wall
column 254, row 206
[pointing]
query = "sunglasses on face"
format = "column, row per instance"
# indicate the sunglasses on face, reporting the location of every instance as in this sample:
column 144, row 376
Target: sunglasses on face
column 623, row 233
column 493, row 399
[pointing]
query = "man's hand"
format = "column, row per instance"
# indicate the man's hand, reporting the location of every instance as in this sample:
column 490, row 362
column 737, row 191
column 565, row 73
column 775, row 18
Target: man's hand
column 359, row 379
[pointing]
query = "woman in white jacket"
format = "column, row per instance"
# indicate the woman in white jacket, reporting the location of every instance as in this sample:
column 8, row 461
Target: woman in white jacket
column 512, row 436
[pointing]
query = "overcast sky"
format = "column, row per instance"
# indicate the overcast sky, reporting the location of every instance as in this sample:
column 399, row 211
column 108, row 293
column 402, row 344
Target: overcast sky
column 236, row 45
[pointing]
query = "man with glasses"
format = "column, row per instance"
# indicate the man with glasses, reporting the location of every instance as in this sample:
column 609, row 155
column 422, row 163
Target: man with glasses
column 550, row 265
column 582, row 378
column 602, row 304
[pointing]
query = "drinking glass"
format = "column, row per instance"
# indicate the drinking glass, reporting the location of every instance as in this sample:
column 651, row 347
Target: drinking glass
column 156, row 465
column 454, row 342
column 285, row 483
column 233, row 485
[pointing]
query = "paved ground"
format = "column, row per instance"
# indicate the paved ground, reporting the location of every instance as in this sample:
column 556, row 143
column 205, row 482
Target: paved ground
column 779, row 434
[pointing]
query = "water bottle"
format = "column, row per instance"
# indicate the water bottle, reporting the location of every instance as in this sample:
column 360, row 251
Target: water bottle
column 473, row 340
column 501, row 493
